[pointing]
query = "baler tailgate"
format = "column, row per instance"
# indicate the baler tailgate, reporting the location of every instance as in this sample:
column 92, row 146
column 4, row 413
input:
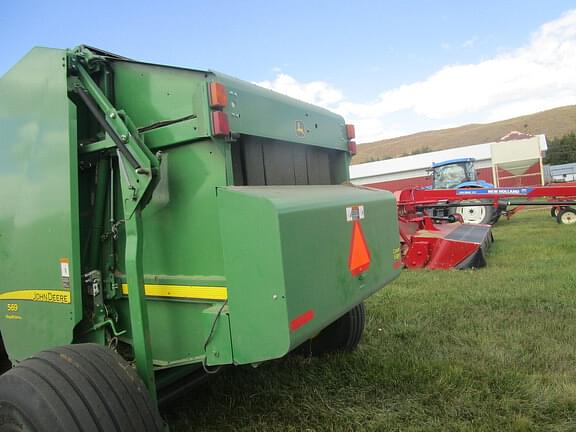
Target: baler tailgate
column 298, row 257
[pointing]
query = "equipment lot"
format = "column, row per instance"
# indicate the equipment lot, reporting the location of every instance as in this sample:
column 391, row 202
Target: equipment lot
column 472, row 350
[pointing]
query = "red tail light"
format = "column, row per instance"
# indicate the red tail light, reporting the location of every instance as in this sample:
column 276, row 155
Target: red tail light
column 350, row 131
column 220, row 126
column 351, row 134
column 218, row 95
column 352, row 147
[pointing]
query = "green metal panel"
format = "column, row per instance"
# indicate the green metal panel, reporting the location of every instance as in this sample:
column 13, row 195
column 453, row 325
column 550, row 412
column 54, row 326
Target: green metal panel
column 219, row 346
column 151, row 94
column 257, row 111
column 286, row 252
column 179, row 329
column 39, row 210
column 181, row 232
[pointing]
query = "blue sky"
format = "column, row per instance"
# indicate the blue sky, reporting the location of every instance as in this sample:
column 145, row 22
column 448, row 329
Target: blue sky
column 383, row 65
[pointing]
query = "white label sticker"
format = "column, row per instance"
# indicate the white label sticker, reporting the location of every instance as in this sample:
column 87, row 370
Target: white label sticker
column 65, row 272
column 354, row 213
column 64, row 269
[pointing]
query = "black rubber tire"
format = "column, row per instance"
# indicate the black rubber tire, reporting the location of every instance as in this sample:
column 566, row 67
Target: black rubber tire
column 76, row 388
column 566, row 216
column 5, row 364
column 343, row 335
column 496, row 213
column 553, row 211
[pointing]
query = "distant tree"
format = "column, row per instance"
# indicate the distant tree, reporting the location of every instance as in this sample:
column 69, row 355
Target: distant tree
column 561, row 150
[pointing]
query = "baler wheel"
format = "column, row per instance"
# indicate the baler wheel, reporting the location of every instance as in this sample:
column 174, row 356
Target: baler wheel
column 343, row 335
column 566, row 216
column 554, row 211
column 5, row 364
column 76, row 388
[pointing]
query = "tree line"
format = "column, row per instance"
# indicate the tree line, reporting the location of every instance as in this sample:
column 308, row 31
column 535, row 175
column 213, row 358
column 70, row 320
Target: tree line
column 561, row 150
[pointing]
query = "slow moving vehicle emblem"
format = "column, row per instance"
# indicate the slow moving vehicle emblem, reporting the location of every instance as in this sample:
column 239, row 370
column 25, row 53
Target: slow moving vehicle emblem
column 359, row 258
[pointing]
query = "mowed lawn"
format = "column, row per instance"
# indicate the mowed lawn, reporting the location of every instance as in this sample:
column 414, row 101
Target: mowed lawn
column 476, row 350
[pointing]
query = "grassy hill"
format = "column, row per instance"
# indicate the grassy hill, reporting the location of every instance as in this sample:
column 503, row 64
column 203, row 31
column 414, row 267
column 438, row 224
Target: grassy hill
column 553, row 123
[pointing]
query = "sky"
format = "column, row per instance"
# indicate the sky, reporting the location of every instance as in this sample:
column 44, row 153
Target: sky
column 390, row 68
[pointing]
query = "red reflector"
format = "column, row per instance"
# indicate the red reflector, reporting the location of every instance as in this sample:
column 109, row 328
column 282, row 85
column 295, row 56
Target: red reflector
column 352, row 148
column 220, row 126
column 350, row 131
column 300, row 320
column 218, row 95
column 359, row 259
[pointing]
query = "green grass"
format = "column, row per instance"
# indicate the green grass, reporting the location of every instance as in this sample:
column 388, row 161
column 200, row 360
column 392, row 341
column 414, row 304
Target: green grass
column 476, row 350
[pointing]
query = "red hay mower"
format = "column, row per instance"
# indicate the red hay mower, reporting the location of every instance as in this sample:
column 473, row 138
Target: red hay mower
column 444, row 242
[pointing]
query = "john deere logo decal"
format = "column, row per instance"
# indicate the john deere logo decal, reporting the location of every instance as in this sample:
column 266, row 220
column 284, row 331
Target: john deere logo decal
column 300, row 131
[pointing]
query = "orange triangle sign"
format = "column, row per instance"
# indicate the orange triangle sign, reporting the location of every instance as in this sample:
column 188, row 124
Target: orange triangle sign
column 359, row 259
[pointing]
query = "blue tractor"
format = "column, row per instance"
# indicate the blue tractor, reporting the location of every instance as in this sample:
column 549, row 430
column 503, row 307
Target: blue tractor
column 461, row 174
column 456, row 174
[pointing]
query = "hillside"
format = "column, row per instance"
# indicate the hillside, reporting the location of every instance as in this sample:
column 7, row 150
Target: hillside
column 553, row 123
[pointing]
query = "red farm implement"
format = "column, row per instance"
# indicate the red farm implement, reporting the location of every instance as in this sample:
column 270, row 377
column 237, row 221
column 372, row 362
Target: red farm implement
column 435, row 242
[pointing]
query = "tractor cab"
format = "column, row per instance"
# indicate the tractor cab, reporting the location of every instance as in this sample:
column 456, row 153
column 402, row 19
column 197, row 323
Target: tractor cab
column 456, row 174
column 452, row 173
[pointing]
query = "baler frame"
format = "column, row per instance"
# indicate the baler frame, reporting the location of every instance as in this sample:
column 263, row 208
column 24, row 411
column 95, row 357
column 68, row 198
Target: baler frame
column 138, row 178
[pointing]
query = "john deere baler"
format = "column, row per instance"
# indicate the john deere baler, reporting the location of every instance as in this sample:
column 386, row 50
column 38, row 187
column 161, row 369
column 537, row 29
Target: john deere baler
column 174, row 219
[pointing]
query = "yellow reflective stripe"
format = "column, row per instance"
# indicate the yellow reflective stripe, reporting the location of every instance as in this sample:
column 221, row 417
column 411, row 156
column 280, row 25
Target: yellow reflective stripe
column 47, row 296
column 183, row 291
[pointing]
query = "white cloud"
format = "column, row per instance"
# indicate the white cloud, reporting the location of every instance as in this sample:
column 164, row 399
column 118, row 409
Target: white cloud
column 315, row 92
column 535, row 77
column 470, row 43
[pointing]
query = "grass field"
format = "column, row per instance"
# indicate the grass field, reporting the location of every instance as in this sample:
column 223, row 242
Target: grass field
column 476, row 350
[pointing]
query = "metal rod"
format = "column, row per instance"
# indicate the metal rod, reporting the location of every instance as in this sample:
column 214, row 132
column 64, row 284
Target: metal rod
column 137, row 302
column 165, row 123
column 489, row 204
column 549, row 203
column 102, row 173
column 99, row 116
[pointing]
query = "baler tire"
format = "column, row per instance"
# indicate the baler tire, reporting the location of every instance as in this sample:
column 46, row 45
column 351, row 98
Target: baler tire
column 85, row 387
column 566, row 216
column 5, row 363
column 343, row 335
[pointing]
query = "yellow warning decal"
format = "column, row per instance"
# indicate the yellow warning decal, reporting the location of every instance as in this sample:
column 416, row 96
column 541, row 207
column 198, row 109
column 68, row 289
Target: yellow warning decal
column 396, row 254
column 45, row 296
column 184, row 291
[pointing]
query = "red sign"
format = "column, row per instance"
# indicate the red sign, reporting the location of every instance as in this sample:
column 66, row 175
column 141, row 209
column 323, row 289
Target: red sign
column 359, row 259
